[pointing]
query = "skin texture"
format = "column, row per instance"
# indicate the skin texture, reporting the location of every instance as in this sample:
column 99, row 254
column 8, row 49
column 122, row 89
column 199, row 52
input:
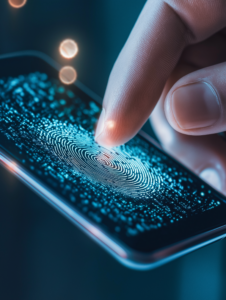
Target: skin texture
column 173, row 45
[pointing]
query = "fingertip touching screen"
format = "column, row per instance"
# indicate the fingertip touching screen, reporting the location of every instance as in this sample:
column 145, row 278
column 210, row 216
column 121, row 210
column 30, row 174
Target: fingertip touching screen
column 134, row 192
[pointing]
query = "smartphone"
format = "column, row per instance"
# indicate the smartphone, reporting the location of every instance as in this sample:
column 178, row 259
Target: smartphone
column 136, row 201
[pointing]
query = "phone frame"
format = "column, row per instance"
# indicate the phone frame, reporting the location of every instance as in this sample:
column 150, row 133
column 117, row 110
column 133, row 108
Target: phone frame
column 122, row 253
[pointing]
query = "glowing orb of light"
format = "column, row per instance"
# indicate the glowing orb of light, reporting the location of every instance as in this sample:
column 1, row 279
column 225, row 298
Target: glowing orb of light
column 68, row 48
column 17, row 3
column 68, row 75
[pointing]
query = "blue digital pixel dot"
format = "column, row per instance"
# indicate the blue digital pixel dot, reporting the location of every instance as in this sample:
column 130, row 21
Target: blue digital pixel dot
column 135, row 187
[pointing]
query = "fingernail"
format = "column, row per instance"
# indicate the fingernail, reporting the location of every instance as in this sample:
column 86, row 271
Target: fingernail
column 195, row 106
column 100, row 125
column 212, row 177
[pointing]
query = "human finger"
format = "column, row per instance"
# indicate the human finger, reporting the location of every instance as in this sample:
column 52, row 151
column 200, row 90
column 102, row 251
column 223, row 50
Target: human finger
column 207, row 53
column 150, row 54
column 204, row 155
column 196, row 104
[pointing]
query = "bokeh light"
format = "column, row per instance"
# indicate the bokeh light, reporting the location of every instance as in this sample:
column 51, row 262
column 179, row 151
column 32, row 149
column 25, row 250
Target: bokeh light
column 17, row 3
column 68, row 75
column 68, row 48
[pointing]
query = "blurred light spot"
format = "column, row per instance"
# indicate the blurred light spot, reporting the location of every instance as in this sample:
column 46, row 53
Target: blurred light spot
column 110, row 124
column 17, row 3
column 12, row 166
column 68, row 75
column 68, row 48
column 212, row 177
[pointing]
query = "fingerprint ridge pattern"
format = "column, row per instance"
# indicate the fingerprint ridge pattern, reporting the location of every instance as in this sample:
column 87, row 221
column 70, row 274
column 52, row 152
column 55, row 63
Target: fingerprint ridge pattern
column 76, row 148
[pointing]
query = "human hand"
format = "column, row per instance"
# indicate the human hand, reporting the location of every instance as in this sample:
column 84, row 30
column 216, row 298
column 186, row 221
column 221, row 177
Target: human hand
column 175, row 56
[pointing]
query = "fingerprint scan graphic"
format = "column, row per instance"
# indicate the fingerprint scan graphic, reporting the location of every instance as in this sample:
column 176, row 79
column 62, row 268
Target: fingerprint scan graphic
column 130, row 189
column 110, row 167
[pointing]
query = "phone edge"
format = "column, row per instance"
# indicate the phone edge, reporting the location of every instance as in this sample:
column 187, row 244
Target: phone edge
column 131, row 259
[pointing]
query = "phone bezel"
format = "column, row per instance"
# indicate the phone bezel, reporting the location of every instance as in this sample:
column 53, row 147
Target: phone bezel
column 125, row 255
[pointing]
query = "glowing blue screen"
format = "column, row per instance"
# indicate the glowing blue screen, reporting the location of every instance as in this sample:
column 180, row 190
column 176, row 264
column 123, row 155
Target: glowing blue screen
column 130, row 189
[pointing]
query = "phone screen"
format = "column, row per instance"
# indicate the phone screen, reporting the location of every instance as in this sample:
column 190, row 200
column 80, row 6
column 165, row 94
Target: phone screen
column 135, row 192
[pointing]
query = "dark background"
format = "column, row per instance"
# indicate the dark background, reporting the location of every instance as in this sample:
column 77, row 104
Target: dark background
column 42, row 255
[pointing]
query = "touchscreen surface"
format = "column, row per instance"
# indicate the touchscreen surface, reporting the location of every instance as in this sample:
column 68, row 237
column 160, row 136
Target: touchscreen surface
column 128, row 191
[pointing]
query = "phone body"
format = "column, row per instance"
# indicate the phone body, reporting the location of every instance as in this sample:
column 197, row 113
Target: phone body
column 136, row 201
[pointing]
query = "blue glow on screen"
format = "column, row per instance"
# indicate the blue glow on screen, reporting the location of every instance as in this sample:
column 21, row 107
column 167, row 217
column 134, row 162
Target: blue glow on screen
column 133, row 188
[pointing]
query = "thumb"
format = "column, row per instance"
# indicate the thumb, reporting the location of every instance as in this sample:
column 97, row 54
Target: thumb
column 196, row 104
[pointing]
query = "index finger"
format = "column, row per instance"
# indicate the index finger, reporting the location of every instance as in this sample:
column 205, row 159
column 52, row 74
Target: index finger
column 150, row 54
